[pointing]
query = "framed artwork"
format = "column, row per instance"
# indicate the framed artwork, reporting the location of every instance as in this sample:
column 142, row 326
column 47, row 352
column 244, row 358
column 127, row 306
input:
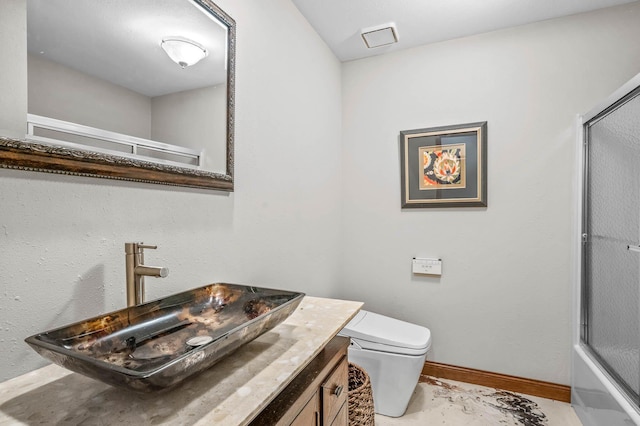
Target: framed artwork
column 444, row 166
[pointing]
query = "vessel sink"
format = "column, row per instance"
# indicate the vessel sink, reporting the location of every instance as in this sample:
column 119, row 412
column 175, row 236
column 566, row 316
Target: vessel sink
column 158, row 344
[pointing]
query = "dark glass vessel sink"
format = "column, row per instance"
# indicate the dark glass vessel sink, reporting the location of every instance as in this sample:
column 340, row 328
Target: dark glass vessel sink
column 158, row 344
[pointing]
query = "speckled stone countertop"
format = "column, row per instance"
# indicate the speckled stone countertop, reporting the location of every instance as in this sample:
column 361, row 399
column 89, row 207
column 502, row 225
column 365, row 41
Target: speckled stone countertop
column 232, row 392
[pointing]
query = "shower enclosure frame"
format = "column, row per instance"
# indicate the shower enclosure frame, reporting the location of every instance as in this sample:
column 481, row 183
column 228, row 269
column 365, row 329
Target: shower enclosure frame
column 595, row 395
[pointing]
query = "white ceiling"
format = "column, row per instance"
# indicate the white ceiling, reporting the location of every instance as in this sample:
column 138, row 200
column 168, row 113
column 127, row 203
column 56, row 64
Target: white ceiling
column 427, row 21
column 119, row 41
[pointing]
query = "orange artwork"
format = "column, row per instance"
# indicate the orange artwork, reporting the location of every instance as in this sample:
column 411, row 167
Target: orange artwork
column 443, row 167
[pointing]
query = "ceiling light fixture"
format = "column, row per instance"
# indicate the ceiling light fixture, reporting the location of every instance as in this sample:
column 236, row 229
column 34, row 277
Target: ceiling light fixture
column 183, row 51
column 380, row 35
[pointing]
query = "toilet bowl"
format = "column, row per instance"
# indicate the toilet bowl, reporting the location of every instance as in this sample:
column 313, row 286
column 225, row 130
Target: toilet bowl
column 392, row 352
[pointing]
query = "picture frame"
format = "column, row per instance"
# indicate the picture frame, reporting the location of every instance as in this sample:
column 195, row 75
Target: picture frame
column 444, row 166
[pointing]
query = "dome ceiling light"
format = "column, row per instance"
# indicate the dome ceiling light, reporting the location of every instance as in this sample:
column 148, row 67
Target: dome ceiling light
column 183, row 51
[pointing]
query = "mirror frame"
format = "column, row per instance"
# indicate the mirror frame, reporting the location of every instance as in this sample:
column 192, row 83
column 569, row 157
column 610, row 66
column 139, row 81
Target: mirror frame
column 30, row 156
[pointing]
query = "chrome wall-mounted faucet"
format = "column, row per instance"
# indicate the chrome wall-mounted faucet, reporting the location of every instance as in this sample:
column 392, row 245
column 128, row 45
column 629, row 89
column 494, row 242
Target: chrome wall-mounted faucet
column 137, row 270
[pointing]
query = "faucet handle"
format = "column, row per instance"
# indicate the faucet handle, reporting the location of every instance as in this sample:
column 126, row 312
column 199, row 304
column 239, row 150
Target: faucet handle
column 136, row 248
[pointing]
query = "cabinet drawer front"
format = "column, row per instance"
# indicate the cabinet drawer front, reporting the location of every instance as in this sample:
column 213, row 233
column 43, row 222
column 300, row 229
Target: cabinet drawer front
column 335, row 391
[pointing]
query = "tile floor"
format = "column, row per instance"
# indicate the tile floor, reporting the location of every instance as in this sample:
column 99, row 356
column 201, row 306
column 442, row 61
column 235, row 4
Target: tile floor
column 447, row 402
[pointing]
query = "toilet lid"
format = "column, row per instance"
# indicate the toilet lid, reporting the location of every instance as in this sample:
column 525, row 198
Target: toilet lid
column 375, row 328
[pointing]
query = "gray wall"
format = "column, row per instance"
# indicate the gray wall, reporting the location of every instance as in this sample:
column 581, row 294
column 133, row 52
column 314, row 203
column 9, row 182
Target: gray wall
column 194, row 119
column 13, row 81
column 62, row 238
column 503, row 302
column 61, row 92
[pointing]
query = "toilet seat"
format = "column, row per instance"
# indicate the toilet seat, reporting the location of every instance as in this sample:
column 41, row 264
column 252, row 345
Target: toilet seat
column 371, row 331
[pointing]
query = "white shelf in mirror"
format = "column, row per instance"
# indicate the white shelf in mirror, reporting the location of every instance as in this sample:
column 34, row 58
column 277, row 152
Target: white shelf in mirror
column 51, row 131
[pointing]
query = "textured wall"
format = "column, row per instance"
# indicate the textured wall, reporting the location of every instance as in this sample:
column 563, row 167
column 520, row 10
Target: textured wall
column 503, row 302
column 62, row 238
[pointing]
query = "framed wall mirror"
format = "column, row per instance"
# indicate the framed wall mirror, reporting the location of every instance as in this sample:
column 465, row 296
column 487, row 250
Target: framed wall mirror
column 135, row 90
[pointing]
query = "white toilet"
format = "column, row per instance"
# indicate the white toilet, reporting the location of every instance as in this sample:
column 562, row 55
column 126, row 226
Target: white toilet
column 392, row 352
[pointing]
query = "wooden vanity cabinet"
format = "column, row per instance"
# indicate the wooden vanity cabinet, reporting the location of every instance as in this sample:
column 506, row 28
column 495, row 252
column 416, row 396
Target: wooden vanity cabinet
column 334, row 393
column 317, row 396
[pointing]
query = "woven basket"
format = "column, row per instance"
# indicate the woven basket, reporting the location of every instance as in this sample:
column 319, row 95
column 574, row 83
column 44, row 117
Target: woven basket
column 361, row 411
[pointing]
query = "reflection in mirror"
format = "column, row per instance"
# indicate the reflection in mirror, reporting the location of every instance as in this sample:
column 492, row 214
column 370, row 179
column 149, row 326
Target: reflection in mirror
column 145, row 86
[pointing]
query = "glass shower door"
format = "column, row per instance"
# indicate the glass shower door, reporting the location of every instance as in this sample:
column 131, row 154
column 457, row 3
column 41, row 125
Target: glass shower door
column 611, row 254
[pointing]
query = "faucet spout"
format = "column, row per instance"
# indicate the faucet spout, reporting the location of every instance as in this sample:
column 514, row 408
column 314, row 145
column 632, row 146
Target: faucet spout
column 137, row 270
column 152, row 271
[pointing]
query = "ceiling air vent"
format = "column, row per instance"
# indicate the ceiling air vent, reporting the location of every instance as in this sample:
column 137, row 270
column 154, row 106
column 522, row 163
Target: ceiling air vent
column 381, row 35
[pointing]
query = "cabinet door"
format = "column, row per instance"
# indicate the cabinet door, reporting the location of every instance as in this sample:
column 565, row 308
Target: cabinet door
column 334, row 392
column 342, row 419
column 310, row 414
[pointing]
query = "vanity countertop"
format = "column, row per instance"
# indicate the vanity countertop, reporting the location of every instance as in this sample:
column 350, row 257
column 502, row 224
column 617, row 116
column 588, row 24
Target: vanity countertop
column 232, row 392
